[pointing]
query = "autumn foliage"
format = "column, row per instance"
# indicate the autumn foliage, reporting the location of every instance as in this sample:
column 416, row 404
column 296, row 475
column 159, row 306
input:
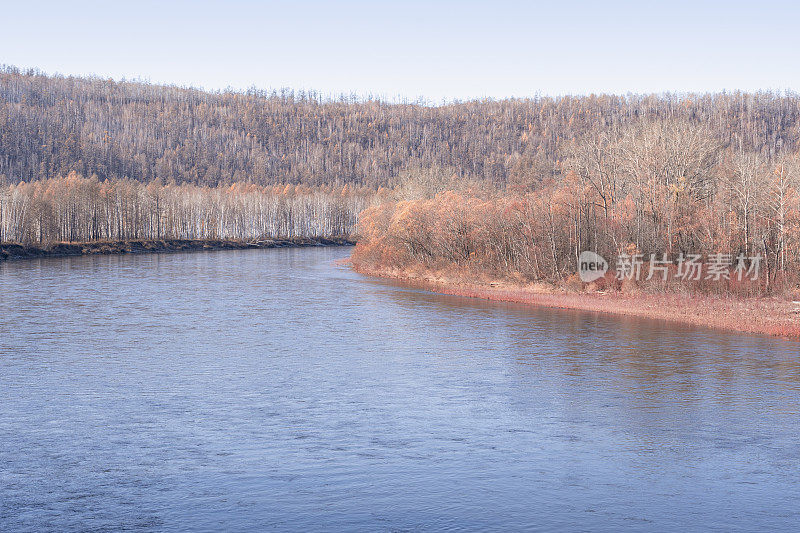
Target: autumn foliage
column 77, row 209
column 650, row 191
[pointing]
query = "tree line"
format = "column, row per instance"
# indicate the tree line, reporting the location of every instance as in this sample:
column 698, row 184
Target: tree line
column 665, row 187
column 78, row 209
column 53, row 125
column 518, row 187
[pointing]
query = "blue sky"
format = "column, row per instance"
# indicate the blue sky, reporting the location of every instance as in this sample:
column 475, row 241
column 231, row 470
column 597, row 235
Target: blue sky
column 434, row 50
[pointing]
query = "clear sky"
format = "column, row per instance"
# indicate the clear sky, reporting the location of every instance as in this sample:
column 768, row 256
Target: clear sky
column 436, row 50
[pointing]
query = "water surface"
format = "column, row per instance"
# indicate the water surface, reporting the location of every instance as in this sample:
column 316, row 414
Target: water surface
column 273, row 389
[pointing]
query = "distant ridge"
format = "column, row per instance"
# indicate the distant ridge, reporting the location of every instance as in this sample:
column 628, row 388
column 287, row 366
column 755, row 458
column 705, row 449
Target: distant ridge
column 51, row 125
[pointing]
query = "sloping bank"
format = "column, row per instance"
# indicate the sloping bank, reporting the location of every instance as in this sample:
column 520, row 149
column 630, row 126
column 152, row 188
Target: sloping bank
column 59, row 249
column 770, row 316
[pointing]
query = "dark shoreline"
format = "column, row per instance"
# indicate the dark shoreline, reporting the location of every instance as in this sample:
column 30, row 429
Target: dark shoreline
column 12, row 251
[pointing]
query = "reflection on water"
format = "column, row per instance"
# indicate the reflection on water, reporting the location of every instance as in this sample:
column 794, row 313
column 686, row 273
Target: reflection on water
column 273, row 389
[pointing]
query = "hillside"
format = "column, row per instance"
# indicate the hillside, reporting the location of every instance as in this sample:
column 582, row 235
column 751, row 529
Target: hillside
column 51, row 125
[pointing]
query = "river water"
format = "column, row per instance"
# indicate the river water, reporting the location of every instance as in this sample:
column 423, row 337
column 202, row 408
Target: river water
column 275, row 389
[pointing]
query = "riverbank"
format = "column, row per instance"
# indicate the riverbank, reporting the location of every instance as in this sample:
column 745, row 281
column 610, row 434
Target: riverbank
column 12, row 251
column 768, row 316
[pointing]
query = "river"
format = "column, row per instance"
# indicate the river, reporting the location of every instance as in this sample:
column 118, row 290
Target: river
column 278, row 390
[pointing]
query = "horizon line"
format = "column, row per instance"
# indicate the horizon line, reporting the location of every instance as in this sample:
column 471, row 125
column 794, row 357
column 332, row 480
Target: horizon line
column 362, row 97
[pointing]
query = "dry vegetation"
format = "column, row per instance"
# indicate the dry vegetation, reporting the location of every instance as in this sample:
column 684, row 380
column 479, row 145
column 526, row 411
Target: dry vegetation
column 510, row 191
column 539, row 235
column 663, row 188
column 51, row 126
column 76, row 209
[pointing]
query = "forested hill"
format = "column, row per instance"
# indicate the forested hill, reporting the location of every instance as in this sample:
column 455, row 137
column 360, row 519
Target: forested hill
column 52, row 125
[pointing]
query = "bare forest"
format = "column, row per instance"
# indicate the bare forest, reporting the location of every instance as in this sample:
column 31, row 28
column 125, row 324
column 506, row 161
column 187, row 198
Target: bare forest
column 658, row 192
column 50, row 126
column 77, row 209
column 514, row 187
